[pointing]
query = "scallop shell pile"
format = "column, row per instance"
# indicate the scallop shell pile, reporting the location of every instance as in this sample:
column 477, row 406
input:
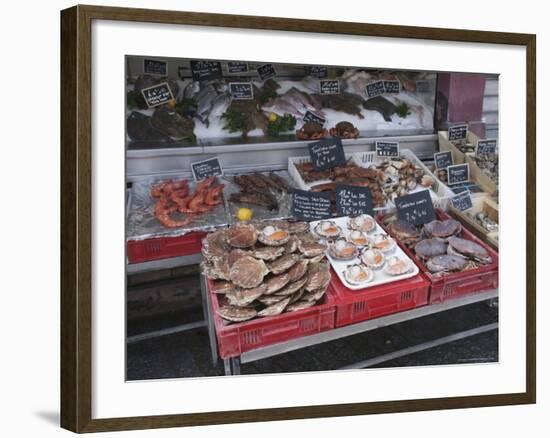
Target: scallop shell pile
column 265, row 269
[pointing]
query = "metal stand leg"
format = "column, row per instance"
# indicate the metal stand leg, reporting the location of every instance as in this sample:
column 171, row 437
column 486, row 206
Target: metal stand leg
column 209, row 321
column 236, row 366
column 232, row 366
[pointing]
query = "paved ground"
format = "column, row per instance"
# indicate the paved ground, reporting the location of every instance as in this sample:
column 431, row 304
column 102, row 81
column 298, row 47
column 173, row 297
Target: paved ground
column 187, row 354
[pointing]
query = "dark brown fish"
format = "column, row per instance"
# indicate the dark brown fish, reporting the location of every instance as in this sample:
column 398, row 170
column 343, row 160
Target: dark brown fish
column 280, row 182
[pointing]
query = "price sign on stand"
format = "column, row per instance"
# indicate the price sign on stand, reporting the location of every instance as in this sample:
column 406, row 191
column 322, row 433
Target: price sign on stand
column 353, row 200
column 416, row 208
column 423, row 86
column 387, row 149
column 241, row 90
column 206, row 168
column 266, row 71
column 486, row 147
column 206, row 70
column 443, row 159
column 157, row 94
column 462, row 201
column 327, row 153
column 155, row 67
column 392, row 87
column 329, row 86
column 318, row 71
column 310, row 206
column 458, row 132
column 310, row 117
column 375, row 89
column 458, row 173
column 237, row 67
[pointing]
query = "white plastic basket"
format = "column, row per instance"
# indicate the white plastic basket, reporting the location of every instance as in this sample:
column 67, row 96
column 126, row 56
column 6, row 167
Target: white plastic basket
column 439, row 192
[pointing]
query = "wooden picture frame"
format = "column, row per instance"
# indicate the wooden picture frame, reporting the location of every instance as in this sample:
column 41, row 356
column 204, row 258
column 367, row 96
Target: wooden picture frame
column 76, row 217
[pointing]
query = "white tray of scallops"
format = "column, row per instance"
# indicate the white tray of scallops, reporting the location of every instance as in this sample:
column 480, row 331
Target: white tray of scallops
column 361, row 253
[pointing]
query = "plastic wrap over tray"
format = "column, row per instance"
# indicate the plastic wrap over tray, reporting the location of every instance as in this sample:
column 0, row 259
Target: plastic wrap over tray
column 284, row 200
column 142, row 224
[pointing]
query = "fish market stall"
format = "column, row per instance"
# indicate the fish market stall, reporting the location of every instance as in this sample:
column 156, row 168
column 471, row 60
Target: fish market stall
column 314, row 202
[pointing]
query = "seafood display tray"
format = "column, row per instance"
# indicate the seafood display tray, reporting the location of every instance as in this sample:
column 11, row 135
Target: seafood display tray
column 374, row 302
column 139, row 251
column 458, row 284
column 141, row 223
column 260, row 213
column 237, row 338
column 439, row 192
column 380, row 277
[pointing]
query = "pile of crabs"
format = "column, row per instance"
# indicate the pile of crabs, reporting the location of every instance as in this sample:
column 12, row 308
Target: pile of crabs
column 359, row 242
column 438, row 245
column 177, row 197
column 265, row 269
column 386, row 180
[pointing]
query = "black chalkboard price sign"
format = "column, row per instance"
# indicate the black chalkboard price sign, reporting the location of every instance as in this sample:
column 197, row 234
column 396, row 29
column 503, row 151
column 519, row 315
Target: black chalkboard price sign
column 462, row 201
column 206, row 70
column 266, row 71
column 353, row 200
column 416, row 208
column 392, row 87
column 318, row 71
column 155, row 67
column 458, row 132
column 387, row 149
column 310, row 117
column 375, row 89
column 486, row 147
column 458, row 173
column 206, row 168
column 241, row 90
column 329, row 86
column 423, row 86
column 327, row 153
column 443, row 159
column 157, row 94
column 311, row 206
column 237, row 67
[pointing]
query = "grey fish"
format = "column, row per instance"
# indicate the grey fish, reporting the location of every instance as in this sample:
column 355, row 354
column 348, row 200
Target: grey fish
column 381, row 105
column 191, row 89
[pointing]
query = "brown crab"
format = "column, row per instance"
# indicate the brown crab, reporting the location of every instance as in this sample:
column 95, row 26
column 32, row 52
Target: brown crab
column 344, row 130
column 311, row 131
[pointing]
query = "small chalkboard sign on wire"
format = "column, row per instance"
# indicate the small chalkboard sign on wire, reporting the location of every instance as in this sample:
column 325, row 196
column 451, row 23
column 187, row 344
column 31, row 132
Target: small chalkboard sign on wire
column 329, row 86
column 443, row 160
column 266, row 71
column 155, row 67
column 457, row 133
column 157, row 94
column 462, row 201
column 387, row 149
column 311, row 206
column 206, row 168
column 486, row 147
column 206, row 70
column 375, row 89
column 310, row 117
column 327, row 153
column 234, row 67
column 416, row 208
column 458, row 173
column 353, row 200
column 318, row 71
column 241, row 90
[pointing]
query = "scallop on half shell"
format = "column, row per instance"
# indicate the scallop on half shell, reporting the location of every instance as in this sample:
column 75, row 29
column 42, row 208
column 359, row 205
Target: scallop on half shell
column 358, row 274
column 358, row 238
column 343, row 250
column 373, row 258
column 383, row 243
column 397, row 266
column 273, row 236
column 363, row 222
column 328, row 229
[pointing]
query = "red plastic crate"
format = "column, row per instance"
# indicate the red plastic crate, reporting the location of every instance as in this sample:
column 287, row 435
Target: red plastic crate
column 458, row 284
column 354, row 306
column 164, row 247
column 237, row 338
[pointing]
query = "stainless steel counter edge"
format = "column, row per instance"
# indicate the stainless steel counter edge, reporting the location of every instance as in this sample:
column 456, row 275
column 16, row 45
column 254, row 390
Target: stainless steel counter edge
column 151, row 162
